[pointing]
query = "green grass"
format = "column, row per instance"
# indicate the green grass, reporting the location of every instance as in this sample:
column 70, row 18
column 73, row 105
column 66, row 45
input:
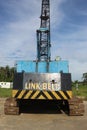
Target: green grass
column 5, row 92
column 82, row 91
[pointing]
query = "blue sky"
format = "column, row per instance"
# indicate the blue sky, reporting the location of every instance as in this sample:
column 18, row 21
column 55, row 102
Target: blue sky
column 19, row 20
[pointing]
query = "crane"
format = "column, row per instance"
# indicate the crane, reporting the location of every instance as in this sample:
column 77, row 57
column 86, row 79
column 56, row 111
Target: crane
column 43, row 79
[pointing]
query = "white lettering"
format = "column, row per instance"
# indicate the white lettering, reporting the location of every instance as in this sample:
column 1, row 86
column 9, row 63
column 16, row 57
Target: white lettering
column 43, row 86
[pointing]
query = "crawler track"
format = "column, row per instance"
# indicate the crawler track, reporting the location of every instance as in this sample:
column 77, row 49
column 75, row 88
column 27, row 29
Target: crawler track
column 11, row 107
column 73, row 107
column 76, row 107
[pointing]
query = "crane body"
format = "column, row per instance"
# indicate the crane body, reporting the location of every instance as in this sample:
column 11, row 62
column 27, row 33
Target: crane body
column 43, row 78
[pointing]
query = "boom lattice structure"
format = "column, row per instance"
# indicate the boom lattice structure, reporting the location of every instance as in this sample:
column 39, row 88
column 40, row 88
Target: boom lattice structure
column 43, row 34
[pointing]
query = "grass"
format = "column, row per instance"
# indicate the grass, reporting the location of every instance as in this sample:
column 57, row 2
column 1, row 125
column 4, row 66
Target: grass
column 5, row 92
column 82, row 91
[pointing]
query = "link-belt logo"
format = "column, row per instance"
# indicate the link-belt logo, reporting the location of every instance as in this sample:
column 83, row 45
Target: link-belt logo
column 43, row 86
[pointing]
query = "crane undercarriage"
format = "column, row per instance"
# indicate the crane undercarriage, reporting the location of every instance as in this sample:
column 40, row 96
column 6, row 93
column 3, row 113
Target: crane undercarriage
column 71, row 107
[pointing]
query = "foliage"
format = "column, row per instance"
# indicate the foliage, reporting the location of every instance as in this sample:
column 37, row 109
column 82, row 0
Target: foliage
column 85, row 77
column 6, row 74
column 82, row 90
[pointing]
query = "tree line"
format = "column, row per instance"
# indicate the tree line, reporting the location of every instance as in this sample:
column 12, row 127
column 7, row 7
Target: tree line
column 6, row 74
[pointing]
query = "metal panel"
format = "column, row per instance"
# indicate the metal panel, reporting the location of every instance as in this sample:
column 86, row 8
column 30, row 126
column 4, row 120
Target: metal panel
column 44, row 77
column 18, row 81
column 26, row 66
column 66, row 81
column 43, row 81
column 63, row 66
column 37, row 81
column 53, row 67
column 42, row 67
column 58, row 66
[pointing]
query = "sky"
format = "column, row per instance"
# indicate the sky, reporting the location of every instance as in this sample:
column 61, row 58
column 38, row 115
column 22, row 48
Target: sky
column 19, row 20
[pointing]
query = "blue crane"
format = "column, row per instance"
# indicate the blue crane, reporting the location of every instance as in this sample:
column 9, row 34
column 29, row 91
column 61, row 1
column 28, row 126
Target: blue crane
column 43, row 79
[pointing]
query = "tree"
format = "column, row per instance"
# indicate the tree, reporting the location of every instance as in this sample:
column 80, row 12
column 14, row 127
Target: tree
column 6, row 74
column 85, row 77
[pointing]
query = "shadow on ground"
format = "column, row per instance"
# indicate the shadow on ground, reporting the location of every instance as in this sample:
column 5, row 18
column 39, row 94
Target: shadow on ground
column 40, row 107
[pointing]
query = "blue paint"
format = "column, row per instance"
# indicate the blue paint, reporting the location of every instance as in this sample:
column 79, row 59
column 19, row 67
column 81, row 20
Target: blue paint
column 27, row 66
column 42, row 67
column 58, row 66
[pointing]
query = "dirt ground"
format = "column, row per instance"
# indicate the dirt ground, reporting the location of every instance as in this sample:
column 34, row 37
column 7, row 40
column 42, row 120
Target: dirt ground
column 48, row 120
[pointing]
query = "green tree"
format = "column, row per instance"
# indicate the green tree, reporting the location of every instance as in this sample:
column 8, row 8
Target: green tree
column 6, row 74
column 84, row 78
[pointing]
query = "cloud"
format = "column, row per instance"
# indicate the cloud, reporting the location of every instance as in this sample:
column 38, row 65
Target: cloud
column 77, row 69
column 19, row 34
column 69, row 36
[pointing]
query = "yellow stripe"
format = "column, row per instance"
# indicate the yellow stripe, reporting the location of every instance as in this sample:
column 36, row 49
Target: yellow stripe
column 42, row 97
column 69, row 93
column 21, row 94
column 61, row 92
column 28, row 94
column 14, row 92
column 36, row 93
column 55, row 94
column 47, row 95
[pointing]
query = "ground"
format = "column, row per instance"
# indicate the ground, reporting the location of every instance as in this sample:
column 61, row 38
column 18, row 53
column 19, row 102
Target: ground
column 48, row 120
